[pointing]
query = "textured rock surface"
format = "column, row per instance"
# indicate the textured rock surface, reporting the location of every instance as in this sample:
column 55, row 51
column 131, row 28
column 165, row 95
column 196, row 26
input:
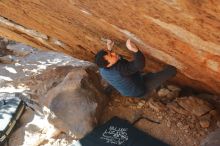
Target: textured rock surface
column 212, row 139
column 33, row 130
column 194, row 105
column 77, row 102
column 179, row 32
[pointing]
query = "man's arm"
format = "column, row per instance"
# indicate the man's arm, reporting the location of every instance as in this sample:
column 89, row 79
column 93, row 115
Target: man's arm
column 128, row 68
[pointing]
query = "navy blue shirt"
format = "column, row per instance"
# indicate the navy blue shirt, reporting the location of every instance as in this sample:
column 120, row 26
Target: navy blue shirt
column 125, row 77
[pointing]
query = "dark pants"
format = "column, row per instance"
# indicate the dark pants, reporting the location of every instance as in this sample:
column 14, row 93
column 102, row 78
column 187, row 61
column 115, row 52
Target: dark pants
column 154, row 80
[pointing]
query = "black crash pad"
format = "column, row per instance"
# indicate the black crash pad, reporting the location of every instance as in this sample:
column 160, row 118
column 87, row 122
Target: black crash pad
column 119, row 132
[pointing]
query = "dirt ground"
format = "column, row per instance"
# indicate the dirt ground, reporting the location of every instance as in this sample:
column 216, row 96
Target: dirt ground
column 173, row 128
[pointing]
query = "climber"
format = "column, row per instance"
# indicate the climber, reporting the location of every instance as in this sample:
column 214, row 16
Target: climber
column 125, row 75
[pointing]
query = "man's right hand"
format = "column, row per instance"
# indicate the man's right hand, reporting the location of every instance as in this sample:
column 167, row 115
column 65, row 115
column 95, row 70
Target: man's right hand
column 109, row 44
column 131, row 46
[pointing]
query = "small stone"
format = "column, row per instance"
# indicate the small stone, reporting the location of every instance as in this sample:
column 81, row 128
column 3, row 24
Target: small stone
column 163, row 92
column 168, row 124
column 192, row 126
column 218, row 124
column 172, row 95
column 186, row 127
column 157, row 106
column 175, row 107
column 116, row 100
column 143, row 102
column 173, row 88
column 179, row 124
column 214, row 113
column 197, row 135
column 204, row 123
column 130, row 100
column 193, row 119
column 202, row 133
column 194, row 105
column 139, row 107
column 127, row 102
column 140, row 104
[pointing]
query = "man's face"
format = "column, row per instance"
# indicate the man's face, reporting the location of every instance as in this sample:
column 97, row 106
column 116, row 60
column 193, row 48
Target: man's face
column 112, row 58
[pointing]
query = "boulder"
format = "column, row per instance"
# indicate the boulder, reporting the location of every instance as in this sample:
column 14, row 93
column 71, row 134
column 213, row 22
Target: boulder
column 77, row 102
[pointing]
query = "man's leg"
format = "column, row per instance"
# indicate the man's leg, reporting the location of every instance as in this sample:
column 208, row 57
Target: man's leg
column 154, row 80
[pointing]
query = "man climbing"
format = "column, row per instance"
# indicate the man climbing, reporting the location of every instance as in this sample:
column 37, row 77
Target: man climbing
column 125, row 75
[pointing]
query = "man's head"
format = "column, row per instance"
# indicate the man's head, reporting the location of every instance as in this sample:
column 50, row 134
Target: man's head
column 106, row 58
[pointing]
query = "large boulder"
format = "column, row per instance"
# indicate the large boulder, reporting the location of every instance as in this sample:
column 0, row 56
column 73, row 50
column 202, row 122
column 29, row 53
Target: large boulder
column 77, row 102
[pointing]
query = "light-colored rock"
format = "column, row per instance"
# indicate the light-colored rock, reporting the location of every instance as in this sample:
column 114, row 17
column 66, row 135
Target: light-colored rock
column 33, row 131
column 156, row 105
column 163, row 92
column 77, row 102
column 205, row 120
column 194, row 105
column 183, row 33
column 175, row 91
column 186, row 127
column 179, row 124
column 140, row 105
column 204, row 123
column 173, row 88
column 175, row 107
